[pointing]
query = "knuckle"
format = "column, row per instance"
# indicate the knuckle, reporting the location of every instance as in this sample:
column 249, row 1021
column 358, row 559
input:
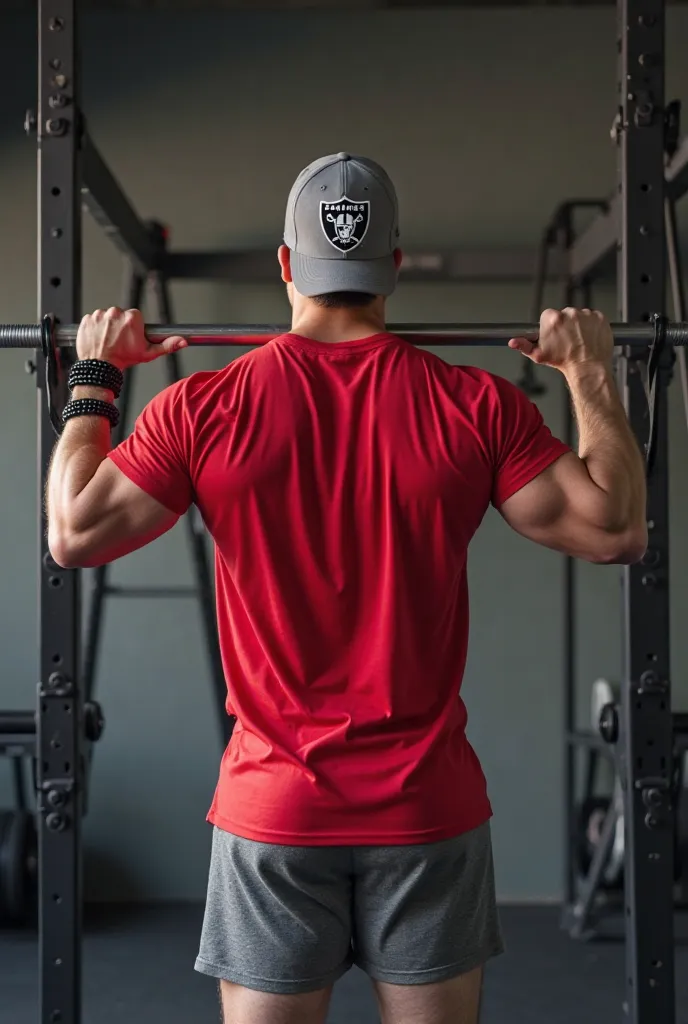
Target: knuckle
column 552, row 317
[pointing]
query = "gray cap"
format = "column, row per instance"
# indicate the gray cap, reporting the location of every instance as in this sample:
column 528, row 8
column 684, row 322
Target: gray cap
column 342, row 227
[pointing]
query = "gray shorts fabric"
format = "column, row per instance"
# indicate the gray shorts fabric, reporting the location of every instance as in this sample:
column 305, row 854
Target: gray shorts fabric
column 290, row 919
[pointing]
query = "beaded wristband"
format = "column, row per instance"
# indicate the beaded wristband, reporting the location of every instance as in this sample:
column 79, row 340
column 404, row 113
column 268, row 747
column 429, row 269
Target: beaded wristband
column 91, row 407
column 95, row 373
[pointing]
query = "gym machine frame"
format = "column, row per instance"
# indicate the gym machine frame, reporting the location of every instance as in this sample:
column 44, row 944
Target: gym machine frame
column 641, row 738
column 70, row 170
column 587, row 900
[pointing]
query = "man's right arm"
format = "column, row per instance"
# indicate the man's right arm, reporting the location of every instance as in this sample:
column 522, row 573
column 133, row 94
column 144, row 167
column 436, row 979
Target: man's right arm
column 590, row 505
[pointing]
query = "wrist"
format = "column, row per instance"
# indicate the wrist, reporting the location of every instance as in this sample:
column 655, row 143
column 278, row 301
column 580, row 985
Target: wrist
column 96, row 357
column 590, row 371
column 89, row 391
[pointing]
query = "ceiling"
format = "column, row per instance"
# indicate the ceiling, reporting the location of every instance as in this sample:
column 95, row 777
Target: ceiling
column 321, row 4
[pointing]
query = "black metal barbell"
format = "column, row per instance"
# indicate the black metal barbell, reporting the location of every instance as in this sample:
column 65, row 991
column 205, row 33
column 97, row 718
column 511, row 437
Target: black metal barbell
column 57, row 343
column 45, row 334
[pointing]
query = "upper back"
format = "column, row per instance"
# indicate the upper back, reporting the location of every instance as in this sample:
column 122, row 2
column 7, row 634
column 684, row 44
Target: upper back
column 366, row 426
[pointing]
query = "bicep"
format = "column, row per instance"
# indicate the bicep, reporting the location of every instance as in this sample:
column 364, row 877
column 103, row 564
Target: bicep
column 113, row 517
column 562, row 508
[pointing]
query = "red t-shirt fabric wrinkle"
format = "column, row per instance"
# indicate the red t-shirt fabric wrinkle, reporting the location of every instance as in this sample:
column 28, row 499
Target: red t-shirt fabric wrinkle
column 342, row 485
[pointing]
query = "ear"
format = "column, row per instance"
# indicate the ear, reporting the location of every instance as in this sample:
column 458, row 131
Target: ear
column 283, row 255
column 398, row 257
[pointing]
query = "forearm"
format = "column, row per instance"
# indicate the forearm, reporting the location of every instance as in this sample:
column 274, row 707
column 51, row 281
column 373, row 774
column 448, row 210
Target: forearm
column 83, row 445
column 608, row 446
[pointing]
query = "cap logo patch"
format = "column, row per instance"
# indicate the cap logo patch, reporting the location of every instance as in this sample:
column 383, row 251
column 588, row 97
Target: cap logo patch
column 345, row 223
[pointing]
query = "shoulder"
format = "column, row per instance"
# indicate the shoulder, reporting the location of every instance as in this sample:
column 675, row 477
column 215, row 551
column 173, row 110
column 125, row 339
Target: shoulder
column 196, row 391
column 467, row 383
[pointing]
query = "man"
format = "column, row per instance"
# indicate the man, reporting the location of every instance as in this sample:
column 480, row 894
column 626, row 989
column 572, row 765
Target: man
column 342, row 474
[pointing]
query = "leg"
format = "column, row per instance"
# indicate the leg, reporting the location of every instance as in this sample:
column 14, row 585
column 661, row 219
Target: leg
column 277, row 929
column 456, row 1001
column 246, row 1006
column 425, row 923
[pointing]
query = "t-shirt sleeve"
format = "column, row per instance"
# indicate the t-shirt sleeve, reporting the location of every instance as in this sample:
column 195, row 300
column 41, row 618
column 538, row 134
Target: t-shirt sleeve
column 154, row 456
column 522, row 445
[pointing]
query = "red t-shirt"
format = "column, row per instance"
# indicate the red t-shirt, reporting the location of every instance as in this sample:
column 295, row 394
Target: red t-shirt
column 342, row 485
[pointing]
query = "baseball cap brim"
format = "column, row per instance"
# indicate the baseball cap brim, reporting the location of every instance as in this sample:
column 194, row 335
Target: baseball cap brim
column 313, row 276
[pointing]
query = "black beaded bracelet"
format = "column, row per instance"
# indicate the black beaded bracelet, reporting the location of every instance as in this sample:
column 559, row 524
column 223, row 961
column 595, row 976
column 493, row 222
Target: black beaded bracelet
column 91, row 407
column 95, row 373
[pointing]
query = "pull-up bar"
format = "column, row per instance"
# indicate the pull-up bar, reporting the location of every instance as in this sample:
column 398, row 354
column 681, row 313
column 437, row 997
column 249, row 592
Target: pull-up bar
column 46, row 335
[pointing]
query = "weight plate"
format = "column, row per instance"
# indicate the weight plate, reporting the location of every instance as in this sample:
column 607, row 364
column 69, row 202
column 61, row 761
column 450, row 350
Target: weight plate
column 603, row 692
column 591, row 815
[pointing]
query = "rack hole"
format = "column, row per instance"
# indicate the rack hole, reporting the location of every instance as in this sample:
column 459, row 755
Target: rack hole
column 56, row 281
column 56, row 659
column 646, row 187
column 662, row 762
column 68, row 767
column 44, row 709
column 55, row 191
column 67, row 709
column 645, row 278
column 662, row 705
column 55, row 582
column 639, row 762
column 650, row 743
column 651, row 657
column 638, row 705
column 55, row 745
column 57, row 898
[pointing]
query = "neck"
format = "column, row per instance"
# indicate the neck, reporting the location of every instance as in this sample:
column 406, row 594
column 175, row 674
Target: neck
column 333, row 325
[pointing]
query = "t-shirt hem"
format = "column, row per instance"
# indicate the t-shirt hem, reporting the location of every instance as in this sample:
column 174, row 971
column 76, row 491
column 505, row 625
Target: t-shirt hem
column 534, row 469
column 353, row 838
column 145, row 483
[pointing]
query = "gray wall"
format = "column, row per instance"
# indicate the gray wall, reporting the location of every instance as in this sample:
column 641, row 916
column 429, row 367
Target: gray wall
column 485, row 119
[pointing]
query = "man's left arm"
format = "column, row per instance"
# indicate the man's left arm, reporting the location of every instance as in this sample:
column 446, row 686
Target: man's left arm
column 96, row 511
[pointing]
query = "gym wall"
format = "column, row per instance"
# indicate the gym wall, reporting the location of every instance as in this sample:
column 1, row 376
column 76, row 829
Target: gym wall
column 486, row 120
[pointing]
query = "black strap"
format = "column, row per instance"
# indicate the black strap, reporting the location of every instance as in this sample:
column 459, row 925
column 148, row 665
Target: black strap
column 653, row 392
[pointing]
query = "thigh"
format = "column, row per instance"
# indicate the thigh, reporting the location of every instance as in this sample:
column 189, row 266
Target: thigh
column 427, row 913
column 246, row 1006
column 456, row 1001
column 277, row 918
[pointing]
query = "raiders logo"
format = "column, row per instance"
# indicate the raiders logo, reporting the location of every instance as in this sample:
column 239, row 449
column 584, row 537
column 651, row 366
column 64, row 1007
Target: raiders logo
column 345, row 223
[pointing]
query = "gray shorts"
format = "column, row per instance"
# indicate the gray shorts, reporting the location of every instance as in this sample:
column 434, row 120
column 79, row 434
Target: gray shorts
column 290, row 919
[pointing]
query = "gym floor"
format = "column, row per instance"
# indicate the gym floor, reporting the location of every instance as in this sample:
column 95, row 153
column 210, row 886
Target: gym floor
column 138, row 970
